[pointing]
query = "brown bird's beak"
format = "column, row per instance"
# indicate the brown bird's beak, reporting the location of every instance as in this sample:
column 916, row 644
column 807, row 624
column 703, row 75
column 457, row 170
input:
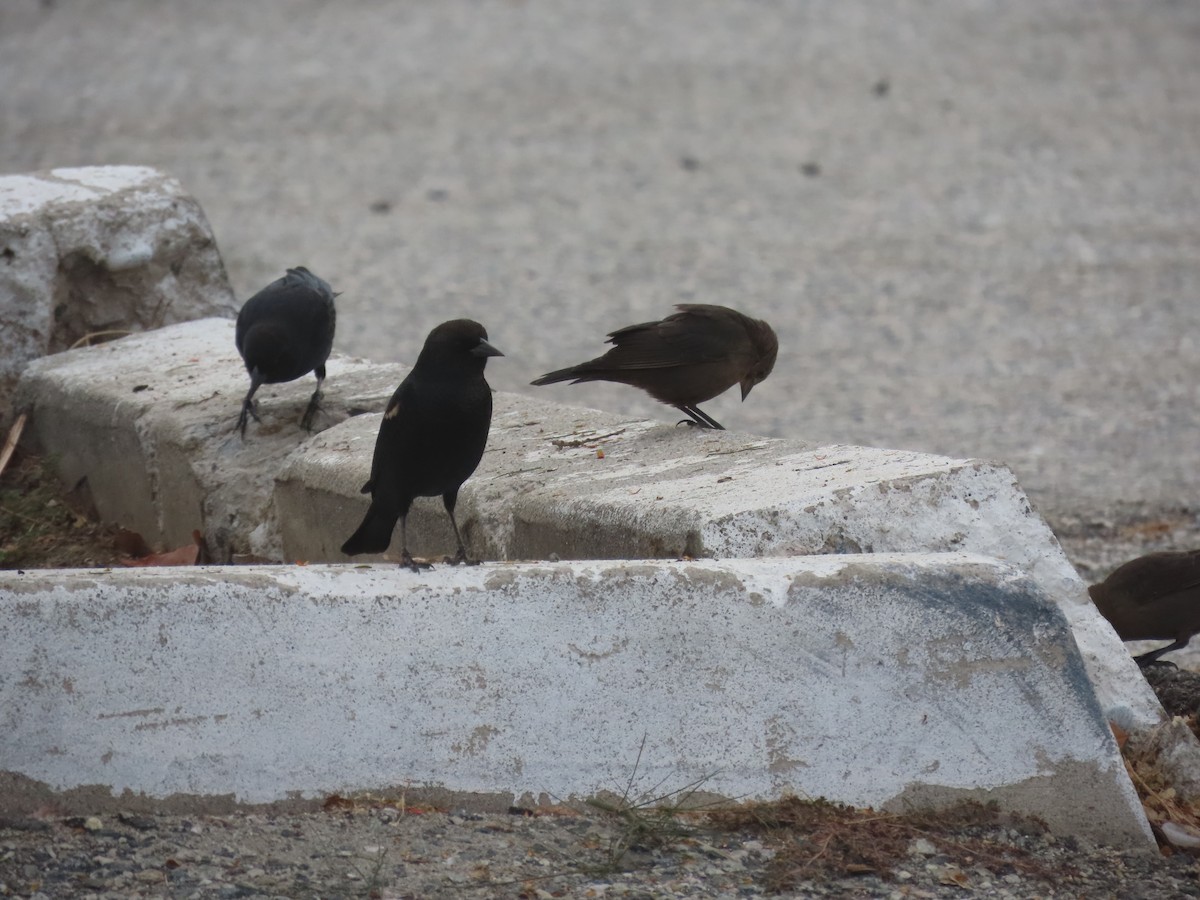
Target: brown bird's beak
column 484, row 349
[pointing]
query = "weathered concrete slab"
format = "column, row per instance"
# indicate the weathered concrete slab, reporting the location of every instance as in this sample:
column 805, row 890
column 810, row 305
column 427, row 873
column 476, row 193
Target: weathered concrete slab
column 149, row 422
column 96, row 249
column 869, row 679
column 583, row 484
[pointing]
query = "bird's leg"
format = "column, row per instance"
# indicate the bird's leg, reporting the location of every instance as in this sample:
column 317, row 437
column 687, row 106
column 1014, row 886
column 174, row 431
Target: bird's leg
column 699, row 418
column 706, row 418
column 406, row 559
column 1149, row 659
column 248, row 405
column 314, row 402
column 408, row 562
column 450, row 498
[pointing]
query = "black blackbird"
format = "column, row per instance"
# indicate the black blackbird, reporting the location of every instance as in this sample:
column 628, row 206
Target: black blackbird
column 1153, row 597
column 431, row 438
column 685, row 359
column 283, row 332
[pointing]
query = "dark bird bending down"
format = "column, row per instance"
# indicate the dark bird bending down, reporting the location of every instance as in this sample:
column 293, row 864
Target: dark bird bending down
column 1153, row 597
column 431, row 438
column 685, row 359
column 283, row 332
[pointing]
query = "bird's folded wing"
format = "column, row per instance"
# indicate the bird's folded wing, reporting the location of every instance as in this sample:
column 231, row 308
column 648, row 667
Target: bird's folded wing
column 677, row 340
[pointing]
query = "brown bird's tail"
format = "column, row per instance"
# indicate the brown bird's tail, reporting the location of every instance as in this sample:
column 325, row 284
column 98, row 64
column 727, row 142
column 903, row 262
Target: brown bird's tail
column 374, row 534
column 581, row 372
column 555, row 377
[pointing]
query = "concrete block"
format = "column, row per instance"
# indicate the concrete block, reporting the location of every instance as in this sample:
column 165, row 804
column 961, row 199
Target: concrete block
column 876, row 680
column 149, row 422
column 96, row 249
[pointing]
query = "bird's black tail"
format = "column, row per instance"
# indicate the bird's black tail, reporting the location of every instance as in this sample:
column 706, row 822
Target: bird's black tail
column 374, row 534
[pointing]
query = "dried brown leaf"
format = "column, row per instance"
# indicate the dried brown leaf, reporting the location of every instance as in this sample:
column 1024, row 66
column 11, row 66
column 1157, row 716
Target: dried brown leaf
column 130, row 544
column 1120, row 734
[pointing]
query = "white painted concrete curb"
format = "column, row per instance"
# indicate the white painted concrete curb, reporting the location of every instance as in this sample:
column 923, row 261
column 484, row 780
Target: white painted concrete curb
column 873, row 680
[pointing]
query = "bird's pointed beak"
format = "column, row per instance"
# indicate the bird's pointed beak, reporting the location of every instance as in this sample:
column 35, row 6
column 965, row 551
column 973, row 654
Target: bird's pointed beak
column 747, row 384
column 484, row 349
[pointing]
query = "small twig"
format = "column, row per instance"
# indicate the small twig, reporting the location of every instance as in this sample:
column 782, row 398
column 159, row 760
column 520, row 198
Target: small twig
column 712, row 453
column 821, row 852
column 633, row 774
column 589, row 442
column 10, row 443
column 86, row 340
column 182, row 404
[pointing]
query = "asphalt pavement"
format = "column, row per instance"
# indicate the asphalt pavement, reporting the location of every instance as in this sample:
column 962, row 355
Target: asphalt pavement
column 975, row 225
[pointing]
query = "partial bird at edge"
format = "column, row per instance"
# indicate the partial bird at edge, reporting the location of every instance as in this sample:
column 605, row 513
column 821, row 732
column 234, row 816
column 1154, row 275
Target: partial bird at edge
column 1153, row 597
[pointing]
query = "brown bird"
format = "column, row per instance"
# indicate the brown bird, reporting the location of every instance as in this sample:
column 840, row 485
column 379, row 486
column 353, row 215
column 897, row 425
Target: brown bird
column 685, row 359
column 1153, row 597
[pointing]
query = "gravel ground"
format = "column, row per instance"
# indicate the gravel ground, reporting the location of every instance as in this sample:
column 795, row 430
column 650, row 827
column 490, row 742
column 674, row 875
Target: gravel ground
column 380, row 851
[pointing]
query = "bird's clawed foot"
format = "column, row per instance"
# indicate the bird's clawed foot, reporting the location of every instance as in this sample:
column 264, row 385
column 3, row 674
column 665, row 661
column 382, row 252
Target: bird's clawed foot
column 460, row 558
column 698, row 418
column 408, row 562
column 249, row 411
column 314, row 406
column 1152, row 663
